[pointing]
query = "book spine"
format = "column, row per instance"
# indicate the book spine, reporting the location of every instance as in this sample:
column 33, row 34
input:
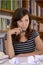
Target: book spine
column 3, row 4
column 8, row 4
column 1, row 44
column 0, row 3
column 0, row 23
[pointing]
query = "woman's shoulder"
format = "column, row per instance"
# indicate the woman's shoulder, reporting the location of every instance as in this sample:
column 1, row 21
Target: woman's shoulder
column 35, row 33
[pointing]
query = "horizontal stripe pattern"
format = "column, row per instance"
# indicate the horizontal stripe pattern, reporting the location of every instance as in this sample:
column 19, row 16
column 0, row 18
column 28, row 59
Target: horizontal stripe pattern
column 25, row 47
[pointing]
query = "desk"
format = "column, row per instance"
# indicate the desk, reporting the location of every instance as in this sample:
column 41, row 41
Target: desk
column 7, row 63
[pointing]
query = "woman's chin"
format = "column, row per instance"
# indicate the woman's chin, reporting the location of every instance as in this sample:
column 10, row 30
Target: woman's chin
column 23, row 30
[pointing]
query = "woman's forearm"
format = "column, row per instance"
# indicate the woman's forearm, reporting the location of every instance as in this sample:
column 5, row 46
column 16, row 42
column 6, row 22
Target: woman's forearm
column 9, row 46
column 30, row 54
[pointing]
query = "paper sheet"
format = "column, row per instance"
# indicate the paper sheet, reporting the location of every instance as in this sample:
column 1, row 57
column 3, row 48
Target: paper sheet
column 32, row 60
column 14, row 61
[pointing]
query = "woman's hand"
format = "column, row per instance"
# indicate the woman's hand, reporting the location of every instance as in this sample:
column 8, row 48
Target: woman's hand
column 15, row 31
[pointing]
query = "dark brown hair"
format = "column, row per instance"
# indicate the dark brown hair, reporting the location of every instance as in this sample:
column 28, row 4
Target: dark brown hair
column 18, row 14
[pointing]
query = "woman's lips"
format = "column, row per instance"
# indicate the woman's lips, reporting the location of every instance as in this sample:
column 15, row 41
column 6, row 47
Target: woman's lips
column 23, row 29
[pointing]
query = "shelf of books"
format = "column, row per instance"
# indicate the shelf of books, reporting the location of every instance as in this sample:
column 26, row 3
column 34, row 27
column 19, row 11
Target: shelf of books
column 40, row 2
column 7, row 11
column 7, row 7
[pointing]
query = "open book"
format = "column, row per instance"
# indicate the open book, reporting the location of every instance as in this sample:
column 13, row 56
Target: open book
column 3, row 57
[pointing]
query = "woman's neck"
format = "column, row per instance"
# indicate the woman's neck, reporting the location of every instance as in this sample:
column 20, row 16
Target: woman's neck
column 22, row 34
column 22, row 37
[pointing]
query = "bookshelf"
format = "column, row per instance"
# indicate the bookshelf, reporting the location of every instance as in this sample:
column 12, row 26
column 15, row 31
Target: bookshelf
column 7, row 11
column 33, row 6
column 25, row 4
column 11, row 13
column 3, row 30
column 40, row 2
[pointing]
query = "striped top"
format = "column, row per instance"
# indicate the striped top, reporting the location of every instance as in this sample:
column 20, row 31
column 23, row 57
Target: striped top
column 26, row 47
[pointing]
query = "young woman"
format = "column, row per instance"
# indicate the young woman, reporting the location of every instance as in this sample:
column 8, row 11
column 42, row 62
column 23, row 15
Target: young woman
column 21, row 39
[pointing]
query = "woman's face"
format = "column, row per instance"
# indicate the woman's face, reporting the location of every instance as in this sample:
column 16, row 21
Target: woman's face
column 23, row 23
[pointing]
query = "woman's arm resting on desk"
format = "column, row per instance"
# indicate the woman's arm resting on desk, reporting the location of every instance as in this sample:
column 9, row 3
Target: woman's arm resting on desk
column 8, row 46
column 39, row 47
column 29, row 54
column 9, row 49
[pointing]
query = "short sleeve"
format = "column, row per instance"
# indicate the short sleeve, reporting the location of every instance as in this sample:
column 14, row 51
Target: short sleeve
column 5, row 38
column 35, row 33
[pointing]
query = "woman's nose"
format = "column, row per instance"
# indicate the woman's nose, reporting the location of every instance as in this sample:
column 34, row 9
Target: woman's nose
column 23, row 23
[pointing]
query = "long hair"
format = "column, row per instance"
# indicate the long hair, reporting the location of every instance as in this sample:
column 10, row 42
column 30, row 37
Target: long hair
column 17, row 15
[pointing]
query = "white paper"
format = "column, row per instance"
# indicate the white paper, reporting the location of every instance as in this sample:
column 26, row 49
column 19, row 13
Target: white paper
column 4, row 59
column 32, row 60
column 14, row 61
column 39, row 57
